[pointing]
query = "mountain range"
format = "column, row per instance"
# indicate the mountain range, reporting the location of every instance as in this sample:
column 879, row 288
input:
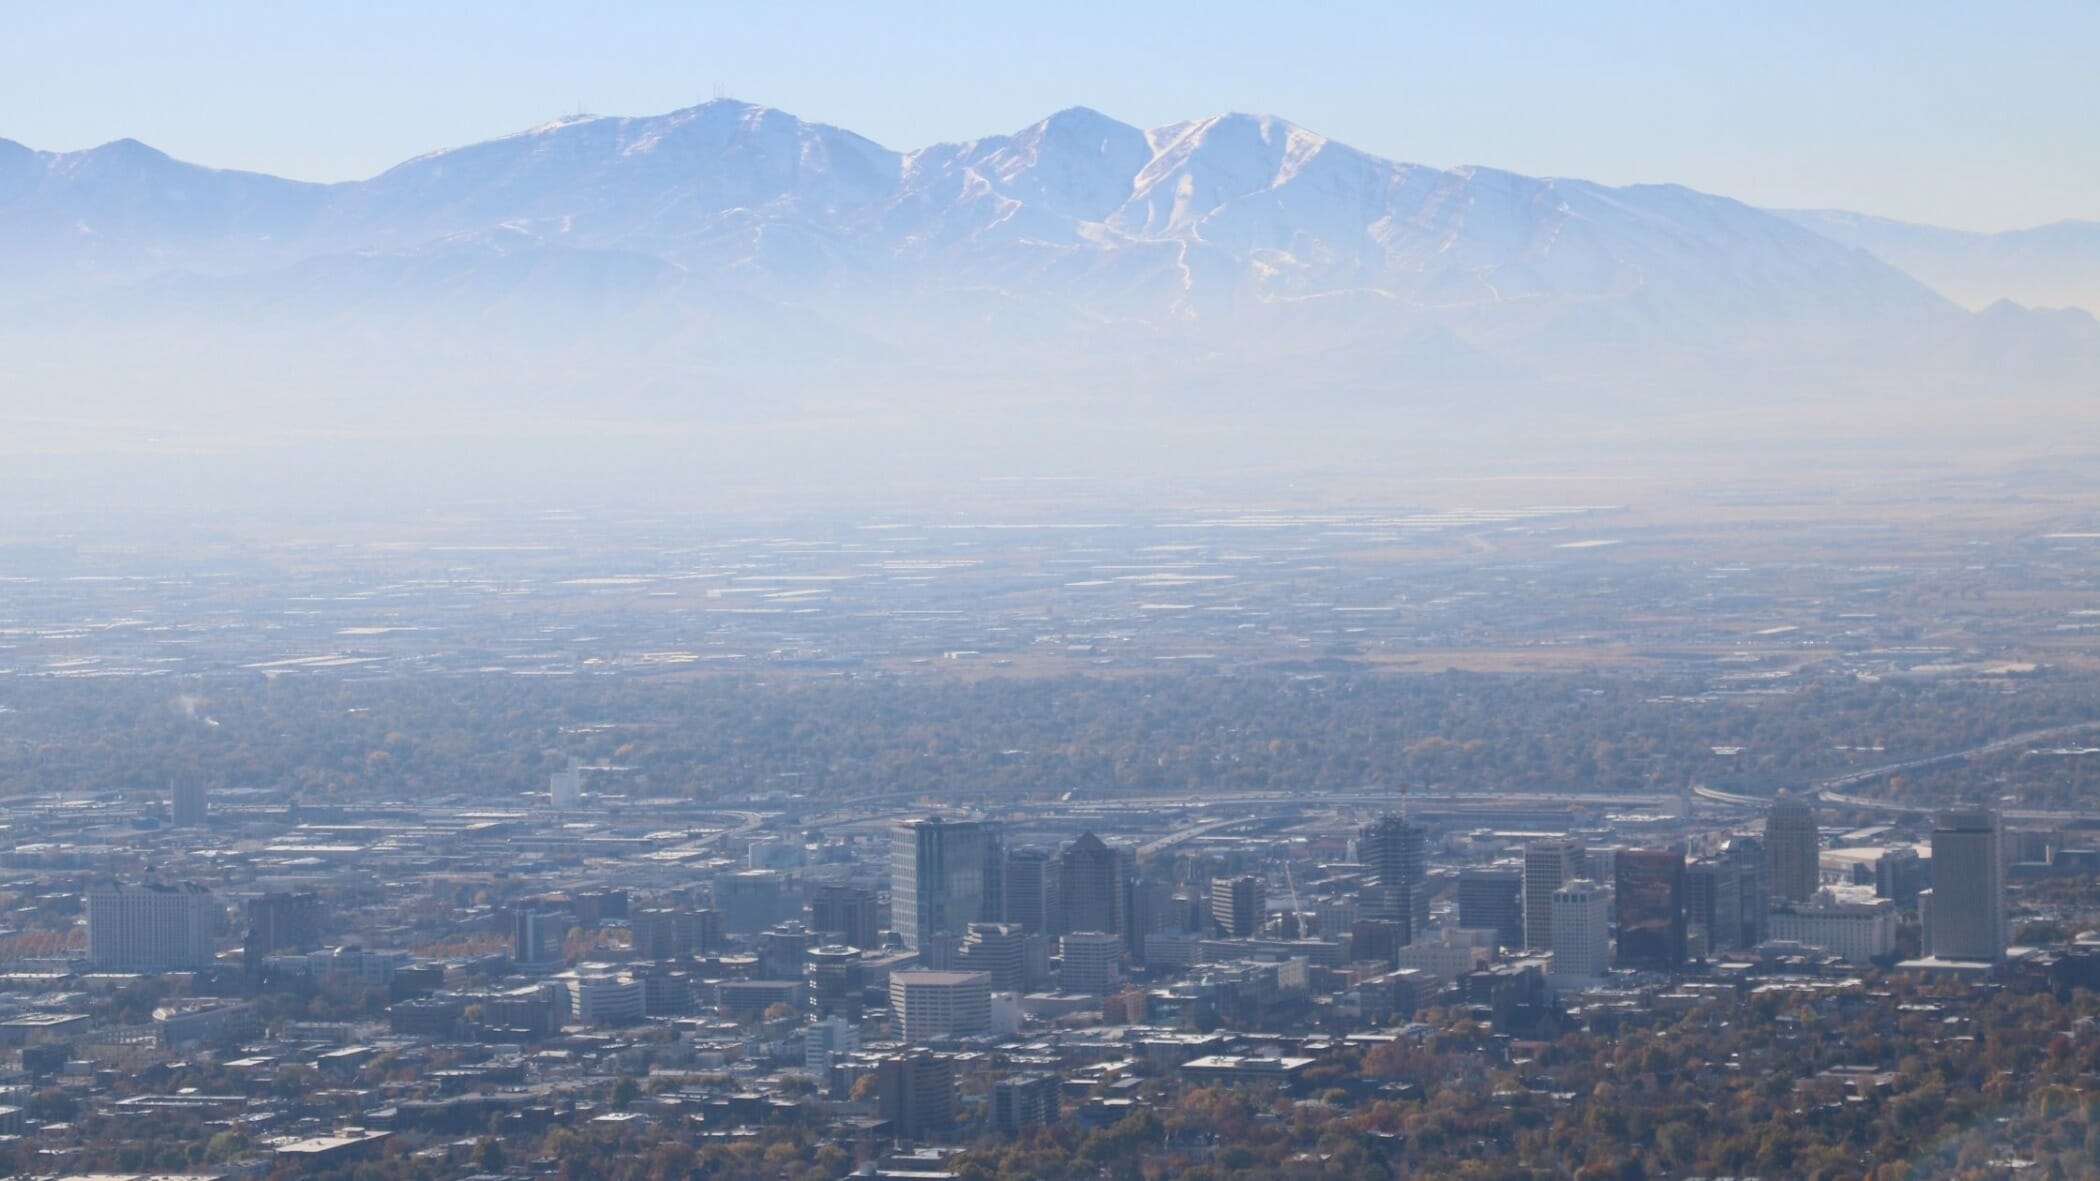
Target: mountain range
column 733, row 261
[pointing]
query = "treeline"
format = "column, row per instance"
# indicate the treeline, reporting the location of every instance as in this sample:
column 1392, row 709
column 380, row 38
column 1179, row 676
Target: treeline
column 1867, row 1088
column 733, row 737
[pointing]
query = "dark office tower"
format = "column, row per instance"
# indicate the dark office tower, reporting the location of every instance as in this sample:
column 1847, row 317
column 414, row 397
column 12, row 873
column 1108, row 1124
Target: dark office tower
column 1793, row 849
column 710, row 930
column 1239, row 905
column 1024, row 1099
column 943, row 877
column 1650, row 889
column 1898, row 876
column 1714, row 892
column 847, row 915
column 836, row 981
column 1754, row 884
column 1547, row 864
column 1395, row 856
column 1031, row 889
column 1374, row 940
column 1492, row 900
column 916, row 1094
column 1967, row 915
column 663, row 934
column 595, row 907
column 537, row 937
column 1152, row 909
column 284, row 922
column 1093, row 887
column 187, row 805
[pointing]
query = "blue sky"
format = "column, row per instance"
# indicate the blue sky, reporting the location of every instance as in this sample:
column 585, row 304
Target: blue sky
column 1985, row 116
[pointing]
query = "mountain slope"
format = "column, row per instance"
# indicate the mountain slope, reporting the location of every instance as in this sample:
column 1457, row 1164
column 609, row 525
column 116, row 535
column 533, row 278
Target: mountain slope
column 124, row 210
column 2056, row 265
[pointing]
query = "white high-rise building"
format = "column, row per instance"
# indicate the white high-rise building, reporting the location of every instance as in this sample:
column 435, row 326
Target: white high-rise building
column 152, row 928
column 1547, row 866
column 1581, row 930
column 1968, row 887
column 1092, row 962
column 606, row 998
column 934, row 1005
column 1856, row 931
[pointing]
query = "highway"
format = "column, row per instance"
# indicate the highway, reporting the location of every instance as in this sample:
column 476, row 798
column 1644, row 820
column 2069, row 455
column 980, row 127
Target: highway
column 1831, row 791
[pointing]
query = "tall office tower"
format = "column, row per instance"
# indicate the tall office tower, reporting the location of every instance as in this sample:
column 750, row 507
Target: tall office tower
column 1968, row 886
column 1581, row 930
column 151, row 928
column 944, row 876
column 1238, row 906
column 835, row 979
column 1754, row 886
column 1151, row 909
column 915, row 1093
column 281, row 921
column 1793, row 849
column 1395, row 857
column 847, row 915
column 934, row 1005
column 537, row 937
column 1093, row 887
column 1092, row 962
column 1650, row 888
column 1713, row 902
column 188, row 806
column 999, row 950
column 1492, row 900
column 1031, row 889
column 1547, row 865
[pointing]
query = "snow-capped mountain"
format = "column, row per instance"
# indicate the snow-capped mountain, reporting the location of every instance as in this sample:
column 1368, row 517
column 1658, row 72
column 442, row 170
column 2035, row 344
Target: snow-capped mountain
column 1175, row 222
column 734, row 251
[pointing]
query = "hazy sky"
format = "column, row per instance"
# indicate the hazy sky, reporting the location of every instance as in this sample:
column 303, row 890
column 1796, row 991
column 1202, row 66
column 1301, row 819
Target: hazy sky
column 1979, row 115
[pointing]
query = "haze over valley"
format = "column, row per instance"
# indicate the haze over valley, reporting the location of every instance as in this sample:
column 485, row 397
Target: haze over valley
column 728, row 297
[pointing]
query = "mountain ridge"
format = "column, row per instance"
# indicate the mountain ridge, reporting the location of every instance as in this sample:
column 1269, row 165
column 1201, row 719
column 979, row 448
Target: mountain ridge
column 1274, row 207
column 732, row 255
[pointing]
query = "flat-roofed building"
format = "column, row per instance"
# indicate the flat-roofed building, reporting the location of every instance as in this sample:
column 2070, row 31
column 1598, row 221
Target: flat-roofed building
column 151, row 927
column 931, row 1006
column 1859, row 932
column 1967, row 912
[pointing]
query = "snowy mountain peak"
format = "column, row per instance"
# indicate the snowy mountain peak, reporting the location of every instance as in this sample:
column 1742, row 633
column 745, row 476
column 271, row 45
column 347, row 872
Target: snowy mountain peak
column 1193, row 218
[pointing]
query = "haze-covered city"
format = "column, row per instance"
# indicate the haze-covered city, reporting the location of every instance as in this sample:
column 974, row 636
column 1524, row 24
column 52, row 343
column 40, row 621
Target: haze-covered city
column 881, row 593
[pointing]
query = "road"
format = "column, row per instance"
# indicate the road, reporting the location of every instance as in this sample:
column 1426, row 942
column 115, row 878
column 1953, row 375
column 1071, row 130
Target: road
column 1831, row 790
